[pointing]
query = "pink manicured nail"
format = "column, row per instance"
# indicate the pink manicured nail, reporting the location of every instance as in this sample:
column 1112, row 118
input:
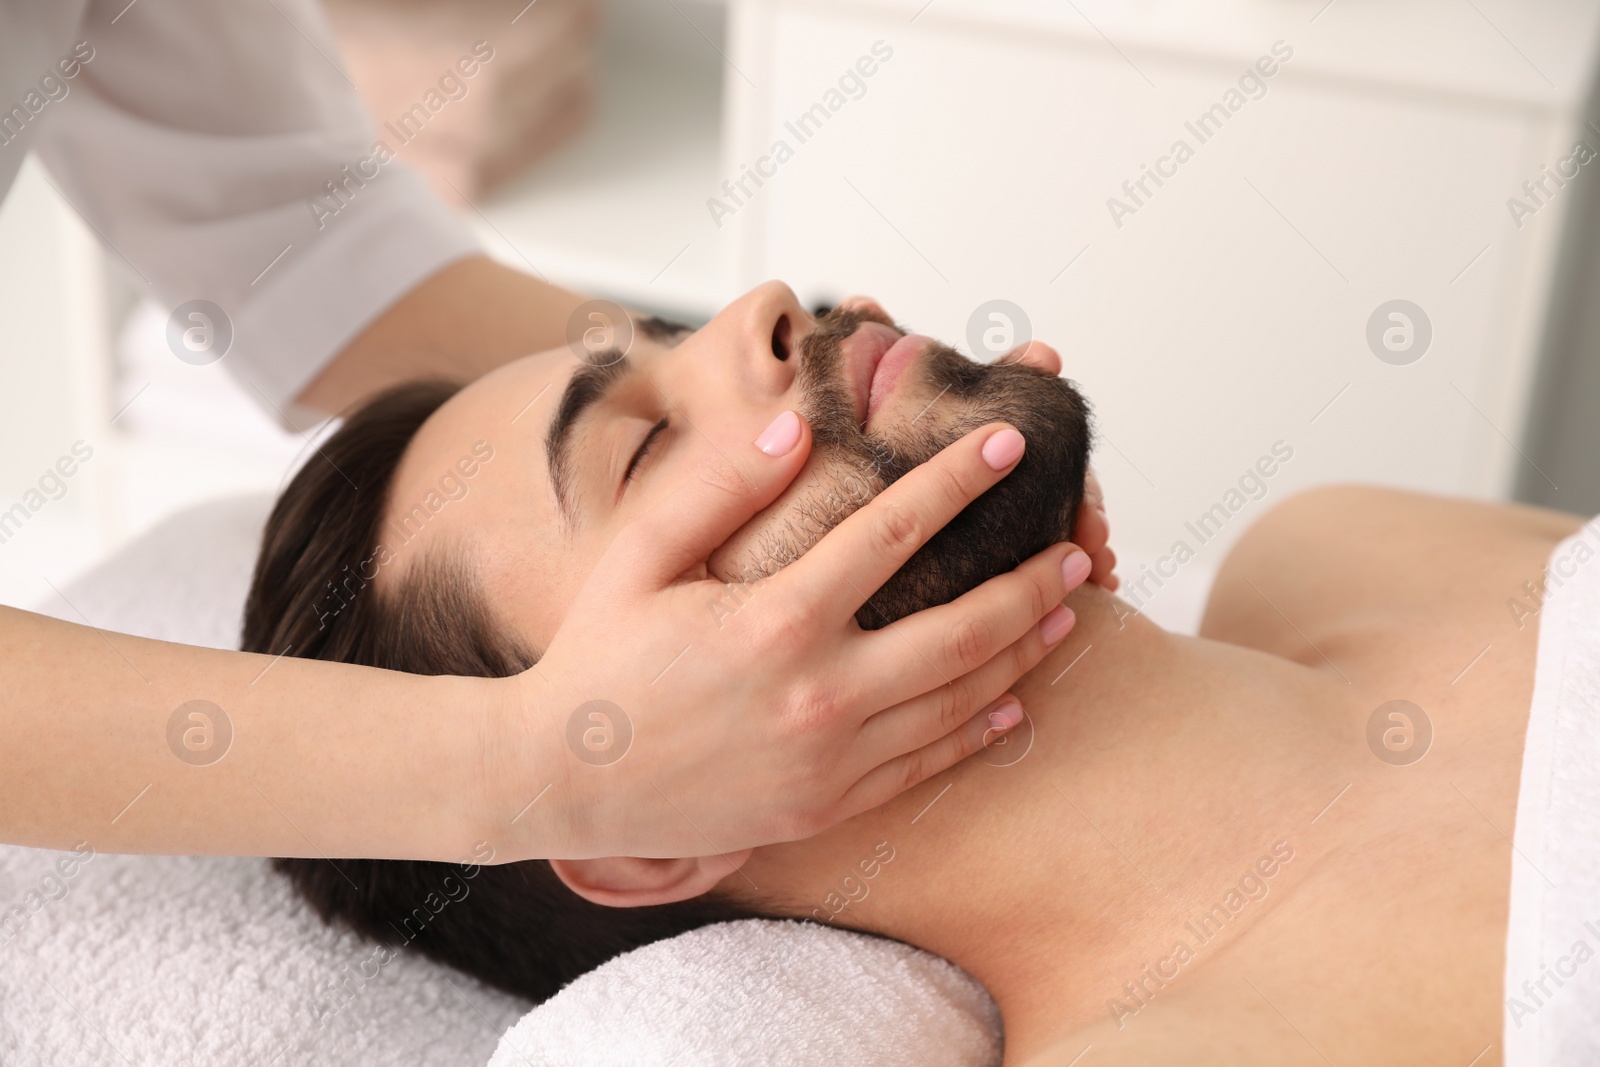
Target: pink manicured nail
column 1003, row 449
column 780, row 438
column 1056, row 624
column 1075, row 568
column 1005, row 713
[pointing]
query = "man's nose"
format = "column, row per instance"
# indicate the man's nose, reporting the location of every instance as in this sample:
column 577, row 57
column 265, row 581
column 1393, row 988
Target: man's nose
column 771, row 324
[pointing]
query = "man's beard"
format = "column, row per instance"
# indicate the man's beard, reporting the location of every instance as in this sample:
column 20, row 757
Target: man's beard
column 1028, row 510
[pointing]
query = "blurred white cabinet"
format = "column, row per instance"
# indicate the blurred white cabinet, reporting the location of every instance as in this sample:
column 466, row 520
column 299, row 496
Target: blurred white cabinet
column 1228, row 308
column 54, row 368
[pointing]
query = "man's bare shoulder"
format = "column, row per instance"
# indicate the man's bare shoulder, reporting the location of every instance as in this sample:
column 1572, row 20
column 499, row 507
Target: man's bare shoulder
column 1353, row 564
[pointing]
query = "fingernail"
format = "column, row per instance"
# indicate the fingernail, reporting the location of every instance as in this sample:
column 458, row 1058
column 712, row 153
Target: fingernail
column 1056, row 624
column 1075, row 568
column 1002, row 449
column 1005, row 713
column 780, row 438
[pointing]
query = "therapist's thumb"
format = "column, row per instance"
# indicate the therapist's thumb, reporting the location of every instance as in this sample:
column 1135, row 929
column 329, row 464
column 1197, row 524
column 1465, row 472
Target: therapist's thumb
column 695, row 518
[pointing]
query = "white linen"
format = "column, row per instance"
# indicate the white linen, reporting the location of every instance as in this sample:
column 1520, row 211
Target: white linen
column 207, row 961
column 1552, row 981
column 763, row 992
column 155, row 960
column 192, row 140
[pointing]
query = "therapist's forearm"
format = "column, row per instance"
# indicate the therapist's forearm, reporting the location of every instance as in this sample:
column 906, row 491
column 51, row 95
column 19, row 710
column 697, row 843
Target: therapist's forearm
column 326, row 759
column 462, row 322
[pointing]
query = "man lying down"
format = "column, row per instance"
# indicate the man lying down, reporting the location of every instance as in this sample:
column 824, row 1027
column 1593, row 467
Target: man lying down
column 1200, row 854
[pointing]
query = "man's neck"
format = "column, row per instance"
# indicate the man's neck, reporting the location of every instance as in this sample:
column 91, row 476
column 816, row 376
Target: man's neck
column 1161, row 771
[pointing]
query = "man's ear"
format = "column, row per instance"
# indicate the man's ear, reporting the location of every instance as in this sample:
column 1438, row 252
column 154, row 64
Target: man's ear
column 628, row 882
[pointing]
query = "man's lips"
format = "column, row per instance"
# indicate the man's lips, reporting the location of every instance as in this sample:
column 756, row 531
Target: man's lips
column 900, row 355
column 874, row 358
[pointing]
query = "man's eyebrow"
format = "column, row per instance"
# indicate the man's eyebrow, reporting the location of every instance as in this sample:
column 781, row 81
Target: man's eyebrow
column 587, row 387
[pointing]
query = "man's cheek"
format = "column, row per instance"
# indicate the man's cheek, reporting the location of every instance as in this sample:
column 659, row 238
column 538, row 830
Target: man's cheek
column 773, row 537
column 742, row 557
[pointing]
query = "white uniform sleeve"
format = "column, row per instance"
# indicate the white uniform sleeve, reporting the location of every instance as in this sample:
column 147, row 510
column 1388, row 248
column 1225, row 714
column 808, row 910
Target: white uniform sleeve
column 196, row 141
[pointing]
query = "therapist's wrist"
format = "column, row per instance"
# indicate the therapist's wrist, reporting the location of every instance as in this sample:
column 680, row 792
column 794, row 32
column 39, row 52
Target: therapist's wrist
column 458, row 324
column 524, row 807
column 433, row 803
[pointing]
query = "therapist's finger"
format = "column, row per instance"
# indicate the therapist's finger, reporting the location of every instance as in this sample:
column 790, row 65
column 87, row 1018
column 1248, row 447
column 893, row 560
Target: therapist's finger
column 847, row 566
column 934, row 648
column 922, row 720
column 1035, row 354
column 888, row 780
column 858, row 302
column 1103, row 574
column 693, row 518
column 1091, row 531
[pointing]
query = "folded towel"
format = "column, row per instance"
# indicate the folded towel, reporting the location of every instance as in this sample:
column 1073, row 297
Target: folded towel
column 205, row 960
column 763, row 992
column 1552, row 1009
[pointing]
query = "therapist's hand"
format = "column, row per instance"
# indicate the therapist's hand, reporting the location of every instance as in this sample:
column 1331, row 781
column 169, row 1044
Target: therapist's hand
column 739, row 716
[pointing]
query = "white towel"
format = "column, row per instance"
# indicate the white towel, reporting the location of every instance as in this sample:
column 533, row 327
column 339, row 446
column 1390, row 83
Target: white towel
column 211, row 961
column 758, row 992
column 199, row 960
column 1552, row 987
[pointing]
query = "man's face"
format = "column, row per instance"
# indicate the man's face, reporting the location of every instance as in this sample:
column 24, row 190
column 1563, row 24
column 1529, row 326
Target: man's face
column 583, row 444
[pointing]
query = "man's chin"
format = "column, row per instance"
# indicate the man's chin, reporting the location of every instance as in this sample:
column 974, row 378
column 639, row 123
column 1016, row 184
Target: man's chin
column 938, row 398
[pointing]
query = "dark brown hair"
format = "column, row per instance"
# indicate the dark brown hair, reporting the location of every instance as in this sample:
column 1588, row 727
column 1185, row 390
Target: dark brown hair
column 515, row 926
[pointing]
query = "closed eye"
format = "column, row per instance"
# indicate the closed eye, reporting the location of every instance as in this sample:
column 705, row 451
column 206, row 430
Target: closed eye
column 644, row 450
